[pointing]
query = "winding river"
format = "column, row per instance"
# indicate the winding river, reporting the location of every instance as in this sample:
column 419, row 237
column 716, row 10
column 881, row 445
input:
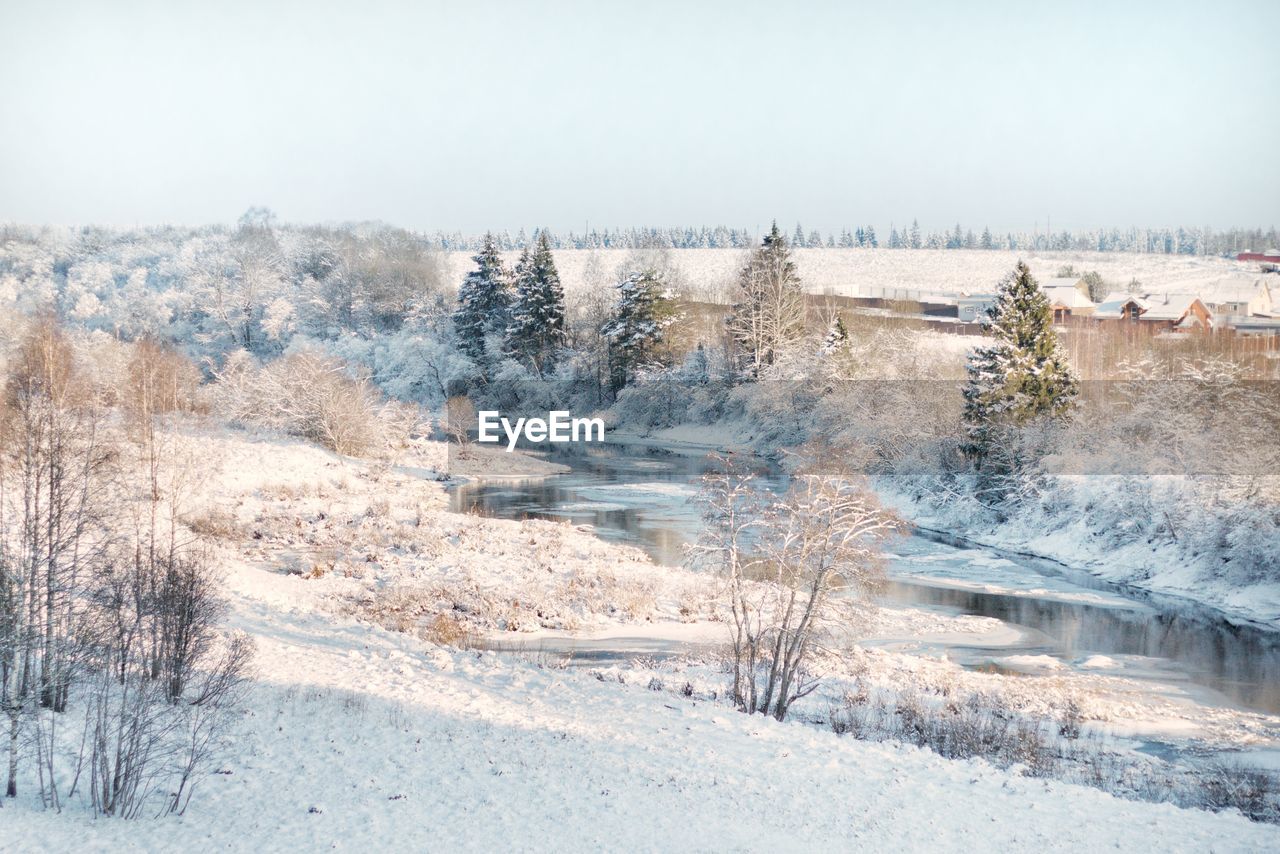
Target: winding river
column 1055, row 617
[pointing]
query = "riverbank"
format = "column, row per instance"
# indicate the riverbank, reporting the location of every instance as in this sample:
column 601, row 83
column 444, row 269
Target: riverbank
column 1142, row 569
column 482, row 462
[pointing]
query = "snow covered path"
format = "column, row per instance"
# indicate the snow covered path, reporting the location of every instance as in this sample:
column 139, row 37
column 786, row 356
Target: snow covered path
column 359, row 738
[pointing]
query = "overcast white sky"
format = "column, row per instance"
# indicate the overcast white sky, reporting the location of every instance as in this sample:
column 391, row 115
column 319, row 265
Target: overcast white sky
column 503, row 114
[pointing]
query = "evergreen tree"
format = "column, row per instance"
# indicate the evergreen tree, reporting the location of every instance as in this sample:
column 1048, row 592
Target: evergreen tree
column 913, row 241
column 484, row 301
column 1020, row 376
column 536, row 331
column 987, row 242
column 837, row 337
column 814, row 240
column 635, row 330
column 869, row 236
column 769, row 311
column 797, row 239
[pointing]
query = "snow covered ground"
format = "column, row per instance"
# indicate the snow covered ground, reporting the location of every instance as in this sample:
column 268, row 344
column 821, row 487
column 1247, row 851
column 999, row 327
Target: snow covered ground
column 900, row 273
column 362, row 734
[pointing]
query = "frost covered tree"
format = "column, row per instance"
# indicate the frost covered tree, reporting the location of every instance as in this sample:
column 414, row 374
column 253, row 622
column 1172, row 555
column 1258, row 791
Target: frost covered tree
column 1020, row 376
column 824, row 535
column 837, row 336
column 913, row 241
column 536, row 331
column 869, row 237
column 642, row 311
column 768, row 313
column 484, row 301
column 987, row 242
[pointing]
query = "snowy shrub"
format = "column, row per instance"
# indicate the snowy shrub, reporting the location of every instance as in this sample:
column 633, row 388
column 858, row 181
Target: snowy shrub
column 312, row 396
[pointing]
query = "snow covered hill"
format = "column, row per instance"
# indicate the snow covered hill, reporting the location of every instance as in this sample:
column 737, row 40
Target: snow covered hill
column 357, row 737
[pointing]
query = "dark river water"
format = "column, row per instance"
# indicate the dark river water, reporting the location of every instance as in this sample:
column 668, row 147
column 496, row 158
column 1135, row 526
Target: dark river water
column 644, row 497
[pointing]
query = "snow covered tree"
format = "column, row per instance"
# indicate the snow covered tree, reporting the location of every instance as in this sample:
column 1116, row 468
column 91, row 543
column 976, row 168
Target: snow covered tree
column 837, row 336
column 914, row 242
column 1021, row 376
column 642, row 311
column 797, row 239
column 869, row 236
column 987, row 242
column 484, row 301
column 769, row 311
column 536, row 331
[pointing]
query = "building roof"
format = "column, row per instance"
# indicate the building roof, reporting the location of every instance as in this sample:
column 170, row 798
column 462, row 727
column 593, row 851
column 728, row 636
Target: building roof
column 1067, row 296
column 1168, row 306
column 1113, row 305
column 1061, row 282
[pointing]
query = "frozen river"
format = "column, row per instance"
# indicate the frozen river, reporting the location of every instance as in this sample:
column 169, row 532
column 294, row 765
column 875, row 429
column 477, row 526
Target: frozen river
column 1056, row 617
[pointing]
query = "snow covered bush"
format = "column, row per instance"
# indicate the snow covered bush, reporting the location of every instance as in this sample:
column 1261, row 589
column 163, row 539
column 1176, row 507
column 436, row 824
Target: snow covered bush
column 314, row 396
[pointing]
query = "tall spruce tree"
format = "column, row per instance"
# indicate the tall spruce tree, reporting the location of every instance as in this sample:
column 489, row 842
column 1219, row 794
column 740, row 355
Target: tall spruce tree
column 1020, row 376
column 536, row 331
column 484, row 301
column 769, row 311
column 635, row 330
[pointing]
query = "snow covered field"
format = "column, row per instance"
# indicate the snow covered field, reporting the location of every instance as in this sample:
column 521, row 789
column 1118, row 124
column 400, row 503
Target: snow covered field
column 362, row 736
column 895, row 273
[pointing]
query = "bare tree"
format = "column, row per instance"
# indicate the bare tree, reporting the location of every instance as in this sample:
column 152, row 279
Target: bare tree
column 99, row 597
column 824, row 537
column 54, row 470
column 460, row 417
column 733, row 508
column 783, row 559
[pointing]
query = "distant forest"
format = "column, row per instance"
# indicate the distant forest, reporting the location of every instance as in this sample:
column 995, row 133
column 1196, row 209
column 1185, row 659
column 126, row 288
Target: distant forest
column 1163, row 241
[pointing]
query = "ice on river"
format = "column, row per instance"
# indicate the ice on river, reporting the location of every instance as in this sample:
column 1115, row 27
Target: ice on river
column 978, row 570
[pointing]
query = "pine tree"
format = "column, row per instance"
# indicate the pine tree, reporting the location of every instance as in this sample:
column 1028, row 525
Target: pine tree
column 913, row 241
column 484, row 301
column 634, row 332
column 987, row 242
column 797, row 239
column 1020, row 376
column 769, row 311
column 536, row 332
column 869, row 236
column 837, row 337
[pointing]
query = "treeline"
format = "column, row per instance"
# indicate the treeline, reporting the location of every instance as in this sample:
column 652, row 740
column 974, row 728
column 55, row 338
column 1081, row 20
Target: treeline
column 1180, row 240
column 1151, row 241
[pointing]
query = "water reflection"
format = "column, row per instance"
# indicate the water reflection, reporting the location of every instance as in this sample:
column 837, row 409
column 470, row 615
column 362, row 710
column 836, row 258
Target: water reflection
column 645, row 497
